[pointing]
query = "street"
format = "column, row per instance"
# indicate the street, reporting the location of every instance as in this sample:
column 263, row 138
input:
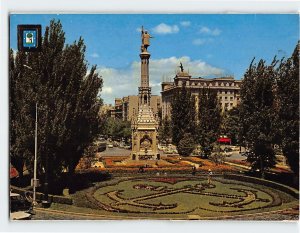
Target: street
column 115, row 151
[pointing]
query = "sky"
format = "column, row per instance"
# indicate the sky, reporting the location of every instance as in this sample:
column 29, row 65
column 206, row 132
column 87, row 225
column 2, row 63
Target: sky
column 208, row 45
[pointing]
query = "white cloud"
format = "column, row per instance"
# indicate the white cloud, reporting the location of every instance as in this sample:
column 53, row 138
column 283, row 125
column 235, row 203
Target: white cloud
column 107, row 90
column 123, row 82
column 199, row 41
column 95, row 55
column 209, row 31
column 185, row 23
column 15, row 53
column 202, row 41
column 166, row 29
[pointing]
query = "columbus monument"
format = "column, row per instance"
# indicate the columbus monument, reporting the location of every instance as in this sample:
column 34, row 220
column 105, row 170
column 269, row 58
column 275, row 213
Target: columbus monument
column 144, row 124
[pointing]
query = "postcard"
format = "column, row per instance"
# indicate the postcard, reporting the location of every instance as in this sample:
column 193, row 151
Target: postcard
column 154, row 116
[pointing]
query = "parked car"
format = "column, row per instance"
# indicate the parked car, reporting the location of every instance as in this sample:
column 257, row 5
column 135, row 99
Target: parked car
column 110, row 145
column 20, row 207
column 127, row 147
column 96, row 164
column 162, row 147
column 115, row 144
column 101, row 146
column 227, row 149
column 168, row 151
column 244, row 154
column 175, row 151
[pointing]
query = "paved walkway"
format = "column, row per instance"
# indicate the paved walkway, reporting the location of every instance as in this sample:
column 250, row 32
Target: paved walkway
column 51, row 214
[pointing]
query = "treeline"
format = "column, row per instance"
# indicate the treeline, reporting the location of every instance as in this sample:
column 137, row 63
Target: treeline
column 267, row 115
column 66, row 93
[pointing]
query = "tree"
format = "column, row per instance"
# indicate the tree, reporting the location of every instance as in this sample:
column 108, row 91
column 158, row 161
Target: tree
column 231, row 124
column 288, row 108
column 21, row 113
column 186, row 145
column 165, row 130
column 209, row 119
column 257, row 114
column 182, row 114
column 117, row 128
column 68, row 102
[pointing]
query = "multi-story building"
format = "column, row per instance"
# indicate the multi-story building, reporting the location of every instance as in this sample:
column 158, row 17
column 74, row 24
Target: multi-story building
column 228, row 90
column 106, row 109
column 126, row 107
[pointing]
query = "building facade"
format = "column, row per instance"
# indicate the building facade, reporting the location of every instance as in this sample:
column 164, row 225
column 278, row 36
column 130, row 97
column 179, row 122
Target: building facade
column 125, row 107
column 227, row 88
column 130, row 105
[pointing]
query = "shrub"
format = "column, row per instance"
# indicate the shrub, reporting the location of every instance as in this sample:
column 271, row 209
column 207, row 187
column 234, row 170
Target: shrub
column 186, row 145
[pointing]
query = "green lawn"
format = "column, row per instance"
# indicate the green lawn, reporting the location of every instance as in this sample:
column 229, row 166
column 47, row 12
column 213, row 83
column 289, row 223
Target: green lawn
column 147, row 198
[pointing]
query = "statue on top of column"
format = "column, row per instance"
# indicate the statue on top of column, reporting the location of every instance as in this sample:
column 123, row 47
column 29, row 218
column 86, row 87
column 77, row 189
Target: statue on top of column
column 181, row 67
column 145, row 40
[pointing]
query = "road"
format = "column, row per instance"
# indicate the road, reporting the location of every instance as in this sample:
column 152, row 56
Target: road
column 115, row 151
column 236, row 156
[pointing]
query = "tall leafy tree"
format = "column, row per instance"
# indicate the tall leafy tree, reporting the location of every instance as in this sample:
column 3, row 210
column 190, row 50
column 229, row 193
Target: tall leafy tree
column 117, row 128
column 288, row 108
column 182, row 114
column 21, row 112
column 165, row 130
column 209, row 119
column 67, row 98
column 257, row 114
column 186, row 145
column 231, row 124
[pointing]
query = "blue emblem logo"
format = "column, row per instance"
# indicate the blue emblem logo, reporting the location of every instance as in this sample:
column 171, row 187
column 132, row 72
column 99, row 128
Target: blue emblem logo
column 29, row 38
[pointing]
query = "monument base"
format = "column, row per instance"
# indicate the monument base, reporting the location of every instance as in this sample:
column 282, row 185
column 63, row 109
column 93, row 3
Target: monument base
column 143, row 156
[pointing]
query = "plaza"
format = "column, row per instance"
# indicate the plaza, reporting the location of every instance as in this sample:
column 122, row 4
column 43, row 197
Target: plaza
column 151, row 156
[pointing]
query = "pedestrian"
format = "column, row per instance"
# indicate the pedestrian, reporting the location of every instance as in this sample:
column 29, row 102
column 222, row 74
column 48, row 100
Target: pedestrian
column 141, row 169
column 194, row 170
column 209, row 176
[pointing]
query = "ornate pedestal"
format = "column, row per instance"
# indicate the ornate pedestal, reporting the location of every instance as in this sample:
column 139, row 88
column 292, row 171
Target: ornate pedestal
column 144, row 135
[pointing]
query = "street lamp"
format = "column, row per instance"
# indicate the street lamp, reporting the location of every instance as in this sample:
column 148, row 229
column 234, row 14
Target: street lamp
column 34, row 181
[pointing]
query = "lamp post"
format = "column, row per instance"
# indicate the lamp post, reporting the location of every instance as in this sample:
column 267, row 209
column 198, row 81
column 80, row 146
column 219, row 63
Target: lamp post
column 34, row 181
column 35, row 157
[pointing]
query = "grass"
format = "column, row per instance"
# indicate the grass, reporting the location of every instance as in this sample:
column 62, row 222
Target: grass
column 187, row 204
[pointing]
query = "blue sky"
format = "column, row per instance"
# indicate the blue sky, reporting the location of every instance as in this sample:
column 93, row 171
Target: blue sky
column 207, row 45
